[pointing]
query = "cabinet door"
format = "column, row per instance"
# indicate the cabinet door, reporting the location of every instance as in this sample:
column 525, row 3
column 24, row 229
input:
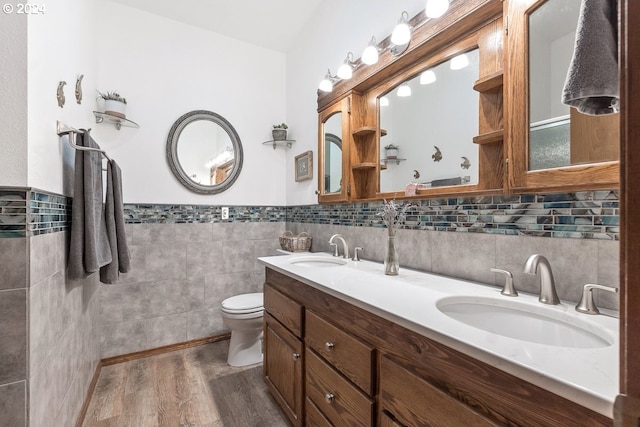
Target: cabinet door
column 283, row 368
column 333, row 152
column 415, row 402
column 552, row 147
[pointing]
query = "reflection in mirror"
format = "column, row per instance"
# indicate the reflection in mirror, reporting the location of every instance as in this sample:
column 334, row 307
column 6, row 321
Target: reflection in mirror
column 204, row 152
column 332, row 127
column 560, row 135
column 433, row 127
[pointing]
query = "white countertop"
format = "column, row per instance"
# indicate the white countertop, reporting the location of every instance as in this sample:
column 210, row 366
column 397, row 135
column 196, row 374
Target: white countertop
column 587, row 376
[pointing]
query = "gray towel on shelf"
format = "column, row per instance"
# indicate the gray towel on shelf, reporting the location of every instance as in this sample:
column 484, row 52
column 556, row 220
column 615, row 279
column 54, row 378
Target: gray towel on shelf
column 592, row 80
column 89, row 247
column 114, row 213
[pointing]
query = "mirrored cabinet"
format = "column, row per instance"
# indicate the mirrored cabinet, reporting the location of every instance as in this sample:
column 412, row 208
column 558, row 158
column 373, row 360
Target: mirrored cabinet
column 333, row 152
column 473, row 107
column 552, row 146
column 439, row 105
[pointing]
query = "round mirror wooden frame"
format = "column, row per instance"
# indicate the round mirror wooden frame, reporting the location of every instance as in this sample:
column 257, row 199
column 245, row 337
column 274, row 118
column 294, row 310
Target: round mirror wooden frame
column 174, row 161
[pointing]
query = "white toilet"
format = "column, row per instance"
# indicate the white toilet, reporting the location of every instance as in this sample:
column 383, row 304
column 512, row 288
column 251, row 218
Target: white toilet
column 243, row 315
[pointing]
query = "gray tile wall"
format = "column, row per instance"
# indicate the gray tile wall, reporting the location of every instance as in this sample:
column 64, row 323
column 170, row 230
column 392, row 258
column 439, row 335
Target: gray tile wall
column 13, row 331
column 575, row 262
column 63, row 339
column 180, row 274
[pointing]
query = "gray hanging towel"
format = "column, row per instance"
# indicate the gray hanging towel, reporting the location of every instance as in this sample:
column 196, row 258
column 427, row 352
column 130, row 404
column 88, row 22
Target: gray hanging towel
column 592, row 80
column 114, row 215
column 89, row 247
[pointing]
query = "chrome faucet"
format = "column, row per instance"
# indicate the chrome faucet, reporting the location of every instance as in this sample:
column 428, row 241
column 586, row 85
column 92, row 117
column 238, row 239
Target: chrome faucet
column 586, row 304
column 548, row 293
column 344, row 245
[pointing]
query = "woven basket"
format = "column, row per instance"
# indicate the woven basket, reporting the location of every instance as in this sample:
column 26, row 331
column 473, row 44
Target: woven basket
column 299, row 243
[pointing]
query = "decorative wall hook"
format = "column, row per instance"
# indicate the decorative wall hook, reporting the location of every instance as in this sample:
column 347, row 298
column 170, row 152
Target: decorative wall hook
column 466, row 164
column 79, row 89
column 437, row 156
column 60, row 93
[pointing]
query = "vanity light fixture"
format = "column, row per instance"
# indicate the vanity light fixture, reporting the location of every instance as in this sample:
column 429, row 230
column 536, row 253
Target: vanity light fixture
column 345, row 71
column 371, row 52
column 326, row 84
column 459, row 62
column 404, row 90
column 401, row 34
column 427, row 77
column 436, row 8
column 384, row 101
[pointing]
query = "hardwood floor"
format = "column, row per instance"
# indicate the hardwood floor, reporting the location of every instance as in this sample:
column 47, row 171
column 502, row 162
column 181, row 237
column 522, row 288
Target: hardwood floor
column 193, row 387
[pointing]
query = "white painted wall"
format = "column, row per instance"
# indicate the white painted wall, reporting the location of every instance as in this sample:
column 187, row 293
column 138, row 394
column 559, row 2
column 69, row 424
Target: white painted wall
column 62, row 45
column 336, row 28
column 165, row 69
column 13, row 91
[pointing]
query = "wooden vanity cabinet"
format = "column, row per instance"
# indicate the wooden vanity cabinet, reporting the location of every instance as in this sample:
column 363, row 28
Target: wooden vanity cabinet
column 414, row 381
column 284, row 353
column 408, row 400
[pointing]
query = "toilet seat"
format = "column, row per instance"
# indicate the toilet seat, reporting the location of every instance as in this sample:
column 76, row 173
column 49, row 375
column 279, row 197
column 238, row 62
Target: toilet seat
column 244, row 304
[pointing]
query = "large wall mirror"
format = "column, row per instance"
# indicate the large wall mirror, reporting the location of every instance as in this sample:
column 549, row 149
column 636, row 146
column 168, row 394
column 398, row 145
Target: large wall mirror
column 204, row 152
column 432, row 119
column 559, row 135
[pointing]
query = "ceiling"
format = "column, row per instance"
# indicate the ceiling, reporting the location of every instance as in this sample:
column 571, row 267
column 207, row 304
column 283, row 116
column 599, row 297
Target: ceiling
column 273, row 24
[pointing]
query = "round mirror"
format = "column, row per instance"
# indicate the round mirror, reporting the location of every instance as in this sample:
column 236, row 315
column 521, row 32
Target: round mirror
column 204, row 152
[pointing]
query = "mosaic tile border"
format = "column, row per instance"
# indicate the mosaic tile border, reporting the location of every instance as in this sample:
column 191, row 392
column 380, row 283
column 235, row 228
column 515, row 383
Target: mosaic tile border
column 158, row 214
column 583, row 215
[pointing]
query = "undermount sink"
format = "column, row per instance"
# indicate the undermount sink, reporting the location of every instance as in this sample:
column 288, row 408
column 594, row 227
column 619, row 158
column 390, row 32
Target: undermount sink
column 542, row 325
column 317, row 261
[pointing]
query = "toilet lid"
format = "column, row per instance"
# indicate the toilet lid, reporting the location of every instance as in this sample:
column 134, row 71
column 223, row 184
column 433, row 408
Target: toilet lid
column 245, row 303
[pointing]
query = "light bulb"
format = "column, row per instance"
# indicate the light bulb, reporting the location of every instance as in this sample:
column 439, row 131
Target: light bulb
column 427, row 77
column 345, row 71
column 459, row 62
column 401, row 34
column 325, row 85
column 384, row 101
column 404, row 90
column 436, row 8
column 370, row 54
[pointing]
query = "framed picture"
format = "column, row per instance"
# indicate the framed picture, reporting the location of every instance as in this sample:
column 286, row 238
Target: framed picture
column 304, row 166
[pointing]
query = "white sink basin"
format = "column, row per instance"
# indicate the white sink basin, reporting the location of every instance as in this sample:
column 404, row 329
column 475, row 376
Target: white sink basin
column 317, row 261
column 527, row 322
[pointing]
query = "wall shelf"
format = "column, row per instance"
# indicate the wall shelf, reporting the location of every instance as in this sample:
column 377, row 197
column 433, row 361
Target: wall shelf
column 365, row 165
column 280, row 143
column 118, row 122
column 487, row 83
column 489, row 137
column 392, row 161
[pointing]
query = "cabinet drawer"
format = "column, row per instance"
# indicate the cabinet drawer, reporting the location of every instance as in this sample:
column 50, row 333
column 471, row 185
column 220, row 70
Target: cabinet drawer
column 415, row 402
column 284, row 309
column 314, row 417
column 347, row 354
column 339, row 400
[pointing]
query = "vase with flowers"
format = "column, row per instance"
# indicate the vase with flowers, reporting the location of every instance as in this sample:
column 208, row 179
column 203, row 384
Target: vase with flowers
column 392, row 214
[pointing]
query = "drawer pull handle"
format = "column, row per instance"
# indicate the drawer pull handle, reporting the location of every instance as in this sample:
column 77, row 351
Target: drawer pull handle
column 296, row 356
column 329, row 398
column 329, row 345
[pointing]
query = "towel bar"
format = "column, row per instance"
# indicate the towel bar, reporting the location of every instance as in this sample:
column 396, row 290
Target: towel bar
column 63, row 129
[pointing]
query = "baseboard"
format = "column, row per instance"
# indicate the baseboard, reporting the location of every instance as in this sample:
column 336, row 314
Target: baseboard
column 87, row 399
column 139, row 355
column 165, row 349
